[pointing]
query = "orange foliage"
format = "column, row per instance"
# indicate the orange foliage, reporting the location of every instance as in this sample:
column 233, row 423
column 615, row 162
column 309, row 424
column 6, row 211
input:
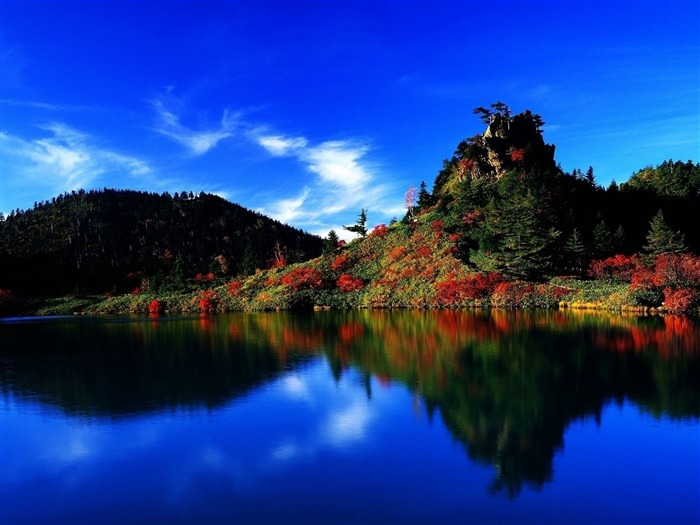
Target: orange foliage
column 234, row 287
column 398, row 253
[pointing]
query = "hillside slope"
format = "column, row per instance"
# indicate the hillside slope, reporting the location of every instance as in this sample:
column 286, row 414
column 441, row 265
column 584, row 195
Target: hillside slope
column 107, row 240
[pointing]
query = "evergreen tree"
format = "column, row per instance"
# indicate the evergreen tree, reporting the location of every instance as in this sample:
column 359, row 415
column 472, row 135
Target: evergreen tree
column 519, row 229
column 424, row 197
column 602, row 240
column 662, row 239
column 619, row 239
column 330, row 244
column 360, row 227
column 576, row 252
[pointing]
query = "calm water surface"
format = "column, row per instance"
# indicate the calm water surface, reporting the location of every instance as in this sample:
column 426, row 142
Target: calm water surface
column 351, row 417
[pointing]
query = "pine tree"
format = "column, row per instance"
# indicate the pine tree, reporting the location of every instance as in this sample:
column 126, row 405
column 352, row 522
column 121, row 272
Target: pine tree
column 602, row 240
column 662, row 239
column 424, row 197
column 360, row 227
column 330, row 244
column 575, row 252
column 519, row 230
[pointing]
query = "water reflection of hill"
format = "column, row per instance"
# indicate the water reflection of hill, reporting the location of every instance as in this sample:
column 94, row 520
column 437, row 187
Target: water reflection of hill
column 507, row 384
column 116, row 368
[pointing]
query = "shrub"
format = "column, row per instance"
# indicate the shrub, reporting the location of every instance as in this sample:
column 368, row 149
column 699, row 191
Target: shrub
column 456, row 291
column 517, row 155
column 398, row 253
column 340, row 262
column 380, row 230
column 207, row 301
column 679, row 300
column 155, row 307
column 437, row 226
column 616, row 268
column 348, row 283
column 234, row 287
column 303, row 278
column 673, row 279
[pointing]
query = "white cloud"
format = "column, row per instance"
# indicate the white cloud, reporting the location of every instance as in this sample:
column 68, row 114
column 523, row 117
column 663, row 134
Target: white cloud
column 65, row 160
column 197, row 142
column 279, row 146
column 290, row 210
column 348, row 424
column 296, row 387
column 339, row 163
column 345, row 180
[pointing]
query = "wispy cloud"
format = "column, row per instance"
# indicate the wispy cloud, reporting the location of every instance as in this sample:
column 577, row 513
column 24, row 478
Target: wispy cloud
column 64, row 160
column 195, row 141
column 345, row 179
column 45, row 106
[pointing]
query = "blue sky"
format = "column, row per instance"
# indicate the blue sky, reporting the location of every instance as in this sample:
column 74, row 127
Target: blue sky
column 310, row 111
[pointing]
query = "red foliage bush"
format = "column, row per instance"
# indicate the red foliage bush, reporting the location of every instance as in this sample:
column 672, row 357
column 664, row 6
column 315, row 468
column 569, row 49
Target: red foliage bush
column 617, row 267
column 437, row 226
column 677, row 270
column 457, row 290
column 234, row 287
column 517, row 155
column 669, row 270
column 422, row 252
column 201, row 277
column 380, row 230
column 671, row 278
column 136, row 291
column 348, row 283
column 155, row 307
column 678, row 300
column 526, row 295
column 303, row 278
column 207, row 301
column 340, row 262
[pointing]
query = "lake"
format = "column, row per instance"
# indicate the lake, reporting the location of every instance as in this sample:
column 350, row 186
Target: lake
column 386, row 417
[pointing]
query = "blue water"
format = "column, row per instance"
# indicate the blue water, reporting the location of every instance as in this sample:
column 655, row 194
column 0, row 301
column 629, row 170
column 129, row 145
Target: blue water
column 309, row 445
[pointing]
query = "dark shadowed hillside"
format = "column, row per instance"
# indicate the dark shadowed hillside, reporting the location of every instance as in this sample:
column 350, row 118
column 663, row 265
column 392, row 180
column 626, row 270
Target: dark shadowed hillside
column 110, row 240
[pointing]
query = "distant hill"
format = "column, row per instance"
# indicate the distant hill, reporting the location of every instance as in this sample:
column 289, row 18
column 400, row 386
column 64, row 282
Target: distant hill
column 102, row 241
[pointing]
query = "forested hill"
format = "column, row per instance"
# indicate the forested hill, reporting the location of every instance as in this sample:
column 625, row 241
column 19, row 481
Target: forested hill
column 109, row 240
column 516, row 211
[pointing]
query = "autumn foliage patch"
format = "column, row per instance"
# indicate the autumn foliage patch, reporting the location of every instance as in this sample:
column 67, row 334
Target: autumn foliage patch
column 207, row 301
column 303, row 278
column 155, row 307
column 455, row 291
column 616, row 268
column 348, row 283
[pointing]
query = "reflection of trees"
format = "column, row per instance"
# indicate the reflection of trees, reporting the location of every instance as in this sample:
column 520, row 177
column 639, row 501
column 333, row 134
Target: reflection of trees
column 113, row 368
column 507, row 384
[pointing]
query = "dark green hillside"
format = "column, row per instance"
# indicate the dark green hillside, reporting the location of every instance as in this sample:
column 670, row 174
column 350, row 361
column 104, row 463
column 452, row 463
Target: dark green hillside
column 110, row 240
column 520, row 214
